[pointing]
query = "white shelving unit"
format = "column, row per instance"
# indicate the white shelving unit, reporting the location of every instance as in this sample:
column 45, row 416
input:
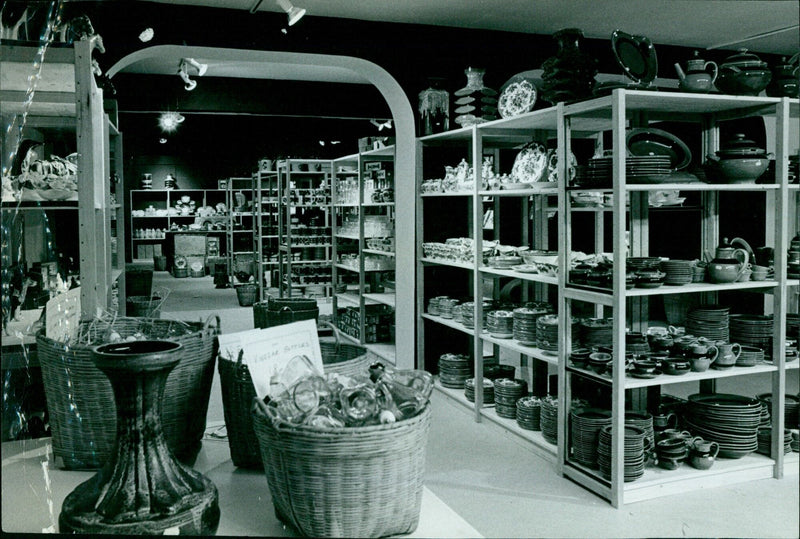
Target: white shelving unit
column 266, row 199
column 460, row 214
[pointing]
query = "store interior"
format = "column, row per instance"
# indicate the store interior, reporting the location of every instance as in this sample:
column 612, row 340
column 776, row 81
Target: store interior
column 294, row 95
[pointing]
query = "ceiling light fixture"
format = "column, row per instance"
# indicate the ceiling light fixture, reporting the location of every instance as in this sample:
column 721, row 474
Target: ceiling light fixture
column 294, row 13
column 183, row 71
column 380, row 125
column 169, row 121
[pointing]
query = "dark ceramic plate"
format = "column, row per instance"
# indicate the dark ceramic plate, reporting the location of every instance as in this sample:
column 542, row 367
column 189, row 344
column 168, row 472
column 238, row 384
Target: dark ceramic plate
column 651, row 141
column 636, row 55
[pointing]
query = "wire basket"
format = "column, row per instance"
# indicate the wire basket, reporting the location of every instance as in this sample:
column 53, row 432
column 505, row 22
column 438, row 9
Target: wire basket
column 146, row 306
column 81, row 402
column 347, row 482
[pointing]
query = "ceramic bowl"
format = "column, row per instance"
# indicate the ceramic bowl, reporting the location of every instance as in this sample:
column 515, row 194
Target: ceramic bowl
column 644, row 366
column 675, row 366
column 744, row 82
column 701, row 462
column 669, row 463
column 739, row 170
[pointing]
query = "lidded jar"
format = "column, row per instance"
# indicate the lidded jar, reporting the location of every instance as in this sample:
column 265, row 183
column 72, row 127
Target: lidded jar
column 434, row 108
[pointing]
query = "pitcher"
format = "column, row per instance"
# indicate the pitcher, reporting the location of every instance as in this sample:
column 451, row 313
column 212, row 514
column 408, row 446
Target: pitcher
column 728, row 354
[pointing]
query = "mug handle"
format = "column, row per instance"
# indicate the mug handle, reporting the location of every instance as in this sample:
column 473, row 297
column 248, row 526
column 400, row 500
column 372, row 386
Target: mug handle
column 716, row 353
column 697, row 439
column 672, row 418
column 738, row 351
column 714, row 449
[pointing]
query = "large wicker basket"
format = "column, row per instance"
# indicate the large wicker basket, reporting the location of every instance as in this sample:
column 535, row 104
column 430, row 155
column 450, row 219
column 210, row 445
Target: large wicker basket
column 278, row 311
column 81, row 403
column 350, row 482
column 238, row 394
column 246, row 294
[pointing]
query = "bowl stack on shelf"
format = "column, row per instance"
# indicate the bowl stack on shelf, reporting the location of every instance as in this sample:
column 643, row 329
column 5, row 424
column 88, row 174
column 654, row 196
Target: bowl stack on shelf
column 547, row 333
column 791, row 409
column 644, row 421
column 750, row 356
column 595, row 332
column 525, row 322
column 506, row 394
column 454, row 370
column 765, row 441
column 752, row 330
column 730, row 420
column 709, row 321
column 634, row 452
column 529, row 411
column 679, row 272
column 548, row 419
column 585, row 428
column 500, row 324
column 488, row 390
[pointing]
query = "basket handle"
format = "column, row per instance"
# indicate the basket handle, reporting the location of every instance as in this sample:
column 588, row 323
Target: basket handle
column 207, row 324
column 335, row 331
column 285, row 314
column 239, row 365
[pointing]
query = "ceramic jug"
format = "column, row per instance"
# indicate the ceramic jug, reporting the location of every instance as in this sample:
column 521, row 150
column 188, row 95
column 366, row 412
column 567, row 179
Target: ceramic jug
column 697, row 78
column 729, row 263
column 728, row 354
column 664, row 421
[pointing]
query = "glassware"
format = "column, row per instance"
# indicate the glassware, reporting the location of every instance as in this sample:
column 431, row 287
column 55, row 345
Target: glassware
column 434, row 108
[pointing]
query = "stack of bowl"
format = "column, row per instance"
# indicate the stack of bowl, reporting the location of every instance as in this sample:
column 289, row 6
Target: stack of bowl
column 752, row 330
column 750, row 356
column 529, row 410
column 585, row 429
column 579, row 357
column 709, row 321
column 446, row 307
column 595, row 332
column 636, row 343
column 500, row 324
column 454, row 369
column 644, row 421
column 791, row 408
column 679, row 272
column 670, row 452
column 634, row 452
column 496, row 371
column 524, row 326
column 468, row 314
column 765, row 441
column 488, row 390
column 599, row 362
column 506, row 394
column 547, row 333
column 548, row 419
column 729, row 420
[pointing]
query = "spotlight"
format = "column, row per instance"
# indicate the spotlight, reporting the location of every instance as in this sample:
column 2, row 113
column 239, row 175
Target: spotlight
column 201, row 68
column 380, row 125
column 190, row 84
column 168, row 121
column 294, row 13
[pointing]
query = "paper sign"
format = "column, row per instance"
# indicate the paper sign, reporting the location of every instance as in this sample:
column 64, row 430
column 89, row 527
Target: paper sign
column 267, row 351
column 63, row 315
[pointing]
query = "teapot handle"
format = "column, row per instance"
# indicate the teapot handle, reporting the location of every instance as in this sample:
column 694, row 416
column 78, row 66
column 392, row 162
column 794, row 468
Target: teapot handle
column 738, row 348
column 745, row 261
column 715, row 69
column 716, row 353
column 714, row 449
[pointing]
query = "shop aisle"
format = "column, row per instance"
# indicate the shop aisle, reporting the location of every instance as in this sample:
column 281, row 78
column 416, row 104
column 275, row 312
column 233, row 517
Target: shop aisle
column 501, row 489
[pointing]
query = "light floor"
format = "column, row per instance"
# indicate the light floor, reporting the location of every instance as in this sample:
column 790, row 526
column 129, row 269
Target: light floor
column 502, row 489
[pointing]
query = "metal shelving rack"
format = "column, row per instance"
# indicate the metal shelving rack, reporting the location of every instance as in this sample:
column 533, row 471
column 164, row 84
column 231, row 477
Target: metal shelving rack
column 299, row 183
column 266, row 200
column 241, row 230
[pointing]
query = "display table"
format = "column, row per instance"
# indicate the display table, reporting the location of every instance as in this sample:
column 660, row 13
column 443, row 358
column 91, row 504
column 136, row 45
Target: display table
column 31, row 490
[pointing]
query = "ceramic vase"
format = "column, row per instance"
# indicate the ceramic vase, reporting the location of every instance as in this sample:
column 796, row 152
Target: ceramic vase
column 434, row 108
column 569, row 75
column 475, row 103
column 142, row 489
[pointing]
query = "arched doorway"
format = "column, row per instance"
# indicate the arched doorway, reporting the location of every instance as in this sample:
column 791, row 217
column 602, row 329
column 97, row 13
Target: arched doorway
column 253, row 64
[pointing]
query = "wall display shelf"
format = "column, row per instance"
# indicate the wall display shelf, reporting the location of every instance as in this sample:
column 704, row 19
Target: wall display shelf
column 304, row 228
column 363, row 220
column 266, row 201
column 456, row 211
column 154, row 211
column 70, row 110
column 632, row 228
column 241, row 229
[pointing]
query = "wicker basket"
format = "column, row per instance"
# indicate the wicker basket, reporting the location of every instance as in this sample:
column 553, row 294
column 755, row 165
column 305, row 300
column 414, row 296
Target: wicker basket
column 180, row 273
column 81, row 403
column 144, row 306
column 238, row 394
column 279, row 311
column 246, row 294
column 352, row 482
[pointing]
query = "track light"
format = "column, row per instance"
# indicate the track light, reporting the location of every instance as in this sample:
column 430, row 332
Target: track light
column 169, row 121
column 380, row 125
column 294, row 13
column 183, row 71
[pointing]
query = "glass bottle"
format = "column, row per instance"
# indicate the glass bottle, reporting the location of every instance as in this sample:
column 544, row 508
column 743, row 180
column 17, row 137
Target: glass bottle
column 403, row 392
column 434, row 108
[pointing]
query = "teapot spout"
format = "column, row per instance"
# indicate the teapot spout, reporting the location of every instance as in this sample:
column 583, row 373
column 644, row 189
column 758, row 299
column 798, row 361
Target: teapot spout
column 681, row 74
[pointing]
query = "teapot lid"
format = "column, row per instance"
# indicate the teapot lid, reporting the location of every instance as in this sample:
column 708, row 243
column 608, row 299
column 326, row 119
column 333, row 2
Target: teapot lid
column 744, row 59
column 740, row 145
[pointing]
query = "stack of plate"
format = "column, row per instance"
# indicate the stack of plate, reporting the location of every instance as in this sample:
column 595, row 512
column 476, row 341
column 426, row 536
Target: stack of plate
column 793, row 326
column 447, row 307
column 794, row 168
column 496, row 371
column 636, row 343
column 547, row 332
column 750, row 356
column 791, row 409
column 595, row 332
column 585, row 428
column 730, row 420
column 454, row 369
column 634, row 452
column 765, row 441
column 488, row 390
column 504, row 262
column 679, row 272
column 766, row 418
column 644, row 421
column 709, row 321
column 795, row 440
column 506, row 394
column 636, row 263
column 525, row 323
column 529, row 411
column 500, row 324
column 468, row 314
column 752, row 330
column 548, row 419
column 638, row 169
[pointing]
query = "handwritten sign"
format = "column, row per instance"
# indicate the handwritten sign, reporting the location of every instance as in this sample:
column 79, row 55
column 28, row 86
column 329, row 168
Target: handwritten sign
column 63, row 315
column 268, row 351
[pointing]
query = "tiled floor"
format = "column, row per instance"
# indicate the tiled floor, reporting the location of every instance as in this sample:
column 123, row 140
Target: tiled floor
column 502, row 489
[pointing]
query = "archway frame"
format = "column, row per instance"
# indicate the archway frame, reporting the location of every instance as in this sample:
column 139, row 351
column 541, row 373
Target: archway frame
column 255, row 64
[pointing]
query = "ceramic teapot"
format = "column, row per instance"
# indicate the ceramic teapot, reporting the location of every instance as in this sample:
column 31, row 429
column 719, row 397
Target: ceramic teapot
column 697, row 77
column 729, row 263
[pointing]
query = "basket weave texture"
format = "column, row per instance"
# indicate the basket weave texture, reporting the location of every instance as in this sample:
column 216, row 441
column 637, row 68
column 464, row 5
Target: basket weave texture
column 246, row 294
column 144, row 306
column 81, row 402
column 352, row 482
column 238, row 394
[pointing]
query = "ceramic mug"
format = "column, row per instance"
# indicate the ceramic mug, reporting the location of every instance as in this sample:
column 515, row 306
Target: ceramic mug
column 669, row 434
column 665, row 421
column 704, row 447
